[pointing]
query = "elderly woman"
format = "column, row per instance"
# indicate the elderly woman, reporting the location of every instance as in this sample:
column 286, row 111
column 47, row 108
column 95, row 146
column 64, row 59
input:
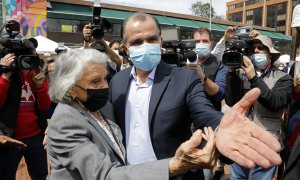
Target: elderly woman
column 85, row 143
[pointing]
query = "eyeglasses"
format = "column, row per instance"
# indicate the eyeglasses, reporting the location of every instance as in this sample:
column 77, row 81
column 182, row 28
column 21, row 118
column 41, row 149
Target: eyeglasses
column 260, row 47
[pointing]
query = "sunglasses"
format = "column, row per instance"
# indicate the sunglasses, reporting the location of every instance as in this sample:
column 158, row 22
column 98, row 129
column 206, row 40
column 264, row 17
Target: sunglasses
column 260, row 47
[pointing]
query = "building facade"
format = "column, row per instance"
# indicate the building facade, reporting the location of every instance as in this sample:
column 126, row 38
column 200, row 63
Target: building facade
column 266, row 13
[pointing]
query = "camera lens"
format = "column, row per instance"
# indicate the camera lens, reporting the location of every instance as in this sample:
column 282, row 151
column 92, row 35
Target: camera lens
column 26, row 62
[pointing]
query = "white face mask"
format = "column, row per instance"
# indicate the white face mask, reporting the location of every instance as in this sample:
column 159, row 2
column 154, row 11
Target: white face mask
column 259, row 60
column 202, row 50
column 145, row 56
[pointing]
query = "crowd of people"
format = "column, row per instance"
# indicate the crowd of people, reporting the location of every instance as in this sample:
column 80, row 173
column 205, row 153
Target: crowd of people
column 117, row 111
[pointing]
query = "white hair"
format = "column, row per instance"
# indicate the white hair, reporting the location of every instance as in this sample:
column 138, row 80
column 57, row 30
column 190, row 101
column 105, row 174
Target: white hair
column 68, row 68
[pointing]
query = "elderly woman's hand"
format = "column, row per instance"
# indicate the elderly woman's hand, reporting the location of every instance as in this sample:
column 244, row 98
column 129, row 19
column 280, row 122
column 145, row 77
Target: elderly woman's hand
column 9, row 142
column 189, row 156
column 7, row 60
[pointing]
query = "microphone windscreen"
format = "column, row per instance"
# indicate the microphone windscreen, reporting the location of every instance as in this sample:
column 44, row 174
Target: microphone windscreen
column 191, row 56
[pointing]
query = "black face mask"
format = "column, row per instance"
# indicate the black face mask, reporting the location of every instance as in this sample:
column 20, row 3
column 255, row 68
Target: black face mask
column 96, row 98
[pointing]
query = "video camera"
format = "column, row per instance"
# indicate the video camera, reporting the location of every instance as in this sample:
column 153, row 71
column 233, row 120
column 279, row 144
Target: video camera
column 23, row 49
column 176, row 49
column 237, row 47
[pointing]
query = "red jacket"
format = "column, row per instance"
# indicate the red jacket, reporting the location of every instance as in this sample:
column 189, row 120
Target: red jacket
column 31, row 98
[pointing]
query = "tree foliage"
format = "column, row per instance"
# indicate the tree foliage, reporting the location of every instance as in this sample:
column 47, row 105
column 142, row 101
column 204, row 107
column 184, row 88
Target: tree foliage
column 203, row 10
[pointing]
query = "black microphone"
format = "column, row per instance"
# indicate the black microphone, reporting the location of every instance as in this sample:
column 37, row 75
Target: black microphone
column 191, row 56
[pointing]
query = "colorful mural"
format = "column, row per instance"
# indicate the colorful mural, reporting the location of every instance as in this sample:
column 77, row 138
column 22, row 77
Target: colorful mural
column 31, row 14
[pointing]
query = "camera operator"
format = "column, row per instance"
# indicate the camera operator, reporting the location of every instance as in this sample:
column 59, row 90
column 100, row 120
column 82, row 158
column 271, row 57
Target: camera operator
column 211, row 71
column 276, row 86
column 23, row 94
column 118, row 48
column 89, row 40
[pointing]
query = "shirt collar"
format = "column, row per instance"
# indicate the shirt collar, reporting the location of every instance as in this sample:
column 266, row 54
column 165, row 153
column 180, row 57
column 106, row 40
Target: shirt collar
column 150, row 78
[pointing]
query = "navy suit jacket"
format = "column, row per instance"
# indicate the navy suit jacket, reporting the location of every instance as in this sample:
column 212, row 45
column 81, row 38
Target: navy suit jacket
column 292, row 170
column 177, row 100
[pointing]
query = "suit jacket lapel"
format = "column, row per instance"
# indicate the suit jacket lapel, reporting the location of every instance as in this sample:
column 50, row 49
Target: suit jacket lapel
column 161, row 80
column 124, row 85
column 95, row 124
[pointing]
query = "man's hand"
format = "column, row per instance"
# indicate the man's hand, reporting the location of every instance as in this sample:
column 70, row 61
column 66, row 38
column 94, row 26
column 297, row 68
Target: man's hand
column 7, row 141
column 248, row 67
column 254, row 33
column 243, row 141
column 189, row 156
column 198, row 70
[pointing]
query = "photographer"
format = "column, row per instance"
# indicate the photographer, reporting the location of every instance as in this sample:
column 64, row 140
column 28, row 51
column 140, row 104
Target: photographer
column 211, row 71
column 276, row 86
column 23, row 94
column 119, row 49
column 89, row 40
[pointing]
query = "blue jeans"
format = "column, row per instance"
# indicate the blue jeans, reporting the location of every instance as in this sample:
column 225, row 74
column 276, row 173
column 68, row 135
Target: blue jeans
column 35, row 156
column 258, row 173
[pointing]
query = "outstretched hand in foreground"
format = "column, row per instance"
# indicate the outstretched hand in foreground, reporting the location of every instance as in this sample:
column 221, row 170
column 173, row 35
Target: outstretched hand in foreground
column 243, row 141
column 9, row 142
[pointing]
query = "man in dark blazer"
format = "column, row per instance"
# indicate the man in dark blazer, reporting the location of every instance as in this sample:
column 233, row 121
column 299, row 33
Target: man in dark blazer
column 292, row 170
column 155, row 103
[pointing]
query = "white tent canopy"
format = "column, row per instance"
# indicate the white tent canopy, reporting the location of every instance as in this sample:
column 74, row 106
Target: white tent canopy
column 46, row 45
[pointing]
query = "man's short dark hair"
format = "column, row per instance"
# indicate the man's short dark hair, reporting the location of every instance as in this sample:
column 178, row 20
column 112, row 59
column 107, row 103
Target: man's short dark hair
column 202, row 30
column 139, row 17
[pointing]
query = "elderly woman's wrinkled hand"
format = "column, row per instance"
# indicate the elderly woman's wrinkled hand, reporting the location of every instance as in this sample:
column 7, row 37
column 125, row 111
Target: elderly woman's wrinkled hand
column 7, row 141
column 189, row 156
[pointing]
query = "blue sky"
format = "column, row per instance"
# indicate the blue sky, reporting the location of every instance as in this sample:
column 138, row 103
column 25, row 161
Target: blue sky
column 176, row 6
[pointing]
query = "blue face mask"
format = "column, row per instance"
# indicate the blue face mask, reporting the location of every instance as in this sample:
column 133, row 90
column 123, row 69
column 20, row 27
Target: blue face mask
column 259, row 60
column 202, row 50
column 145, row 56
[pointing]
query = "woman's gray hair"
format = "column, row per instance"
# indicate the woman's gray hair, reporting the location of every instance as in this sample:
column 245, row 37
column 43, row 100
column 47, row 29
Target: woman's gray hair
column 68, row 69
